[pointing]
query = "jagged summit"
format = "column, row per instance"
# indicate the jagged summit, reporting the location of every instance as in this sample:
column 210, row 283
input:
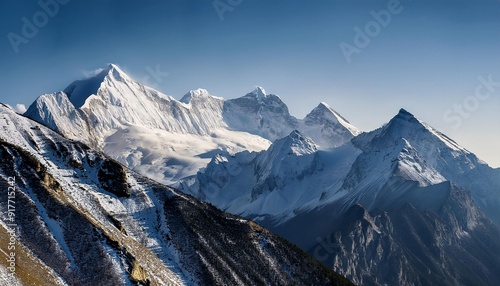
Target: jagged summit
column 405, row 116
column 295, row 134
column 327, row 127
column 405, row 121
column 79, row 90
column 323, row 104
column 404, row 113
column 117, row 73
column 402, row 125
column 259, row 93
column 324, row 107
column 197, row 93
column 293, row 144
column 406, row 125
column 298, row 144
column 323, row 113
column 93, row 108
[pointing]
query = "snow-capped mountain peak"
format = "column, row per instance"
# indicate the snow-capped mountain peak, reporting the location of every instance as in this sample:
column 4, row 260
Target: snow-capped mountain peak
column 327, row 127
column 403, row 113
column 298, row 144
column 281, row 167
column 259, row 93
column 112, row 100
column 405, row 117
column 292, row 152
column 324, row 114
column 197, row 94
column 410, row 150
column 117, row 73
column 406, row 125
column 324, row 108
column 139, row 125
column 80, row 90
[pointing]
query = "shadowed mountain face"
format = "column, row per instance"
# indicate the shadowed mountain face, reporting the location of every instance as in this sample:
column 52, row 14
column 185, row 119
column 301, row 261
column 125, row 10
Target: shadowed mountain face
column 83, row 219
column 455, row 245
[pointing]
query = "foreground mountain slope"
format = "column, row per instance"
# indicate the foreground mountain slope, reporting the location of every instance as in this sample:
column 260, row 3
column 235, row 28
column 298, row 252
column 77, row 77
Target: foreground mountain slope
column 84, row 219
column 167, row 139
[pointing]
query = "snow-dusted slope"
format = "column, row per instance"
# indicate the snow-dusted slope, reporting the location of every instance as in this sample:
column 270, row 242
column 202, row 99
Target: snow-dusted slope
column 291, row 176
column 410, row 150
column 327, row 127
column 167, row 139
column 83, row 219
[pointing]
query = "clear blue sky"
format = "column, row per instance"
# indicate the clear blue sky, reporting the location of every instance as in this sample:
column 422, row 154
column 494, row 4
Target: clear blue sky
column 427, row 58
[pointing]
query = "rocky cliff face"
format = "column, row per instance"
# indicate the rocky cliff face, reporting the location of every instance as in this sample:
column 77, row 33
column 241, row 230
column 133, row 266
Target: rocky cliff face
column 455, row 245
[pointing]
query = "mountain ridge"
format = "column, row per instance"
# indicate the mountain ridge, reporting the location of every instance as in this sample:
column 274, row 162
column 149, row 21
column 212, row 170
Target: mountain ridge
column 123, row 110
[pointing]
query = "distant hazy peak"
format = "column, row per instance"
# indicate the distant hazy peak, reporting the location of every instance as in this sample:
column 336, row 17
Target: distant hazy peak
column 296, row 143
column 324, row 105
column 403, row 113
column 324, row 110
column 324, row 114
